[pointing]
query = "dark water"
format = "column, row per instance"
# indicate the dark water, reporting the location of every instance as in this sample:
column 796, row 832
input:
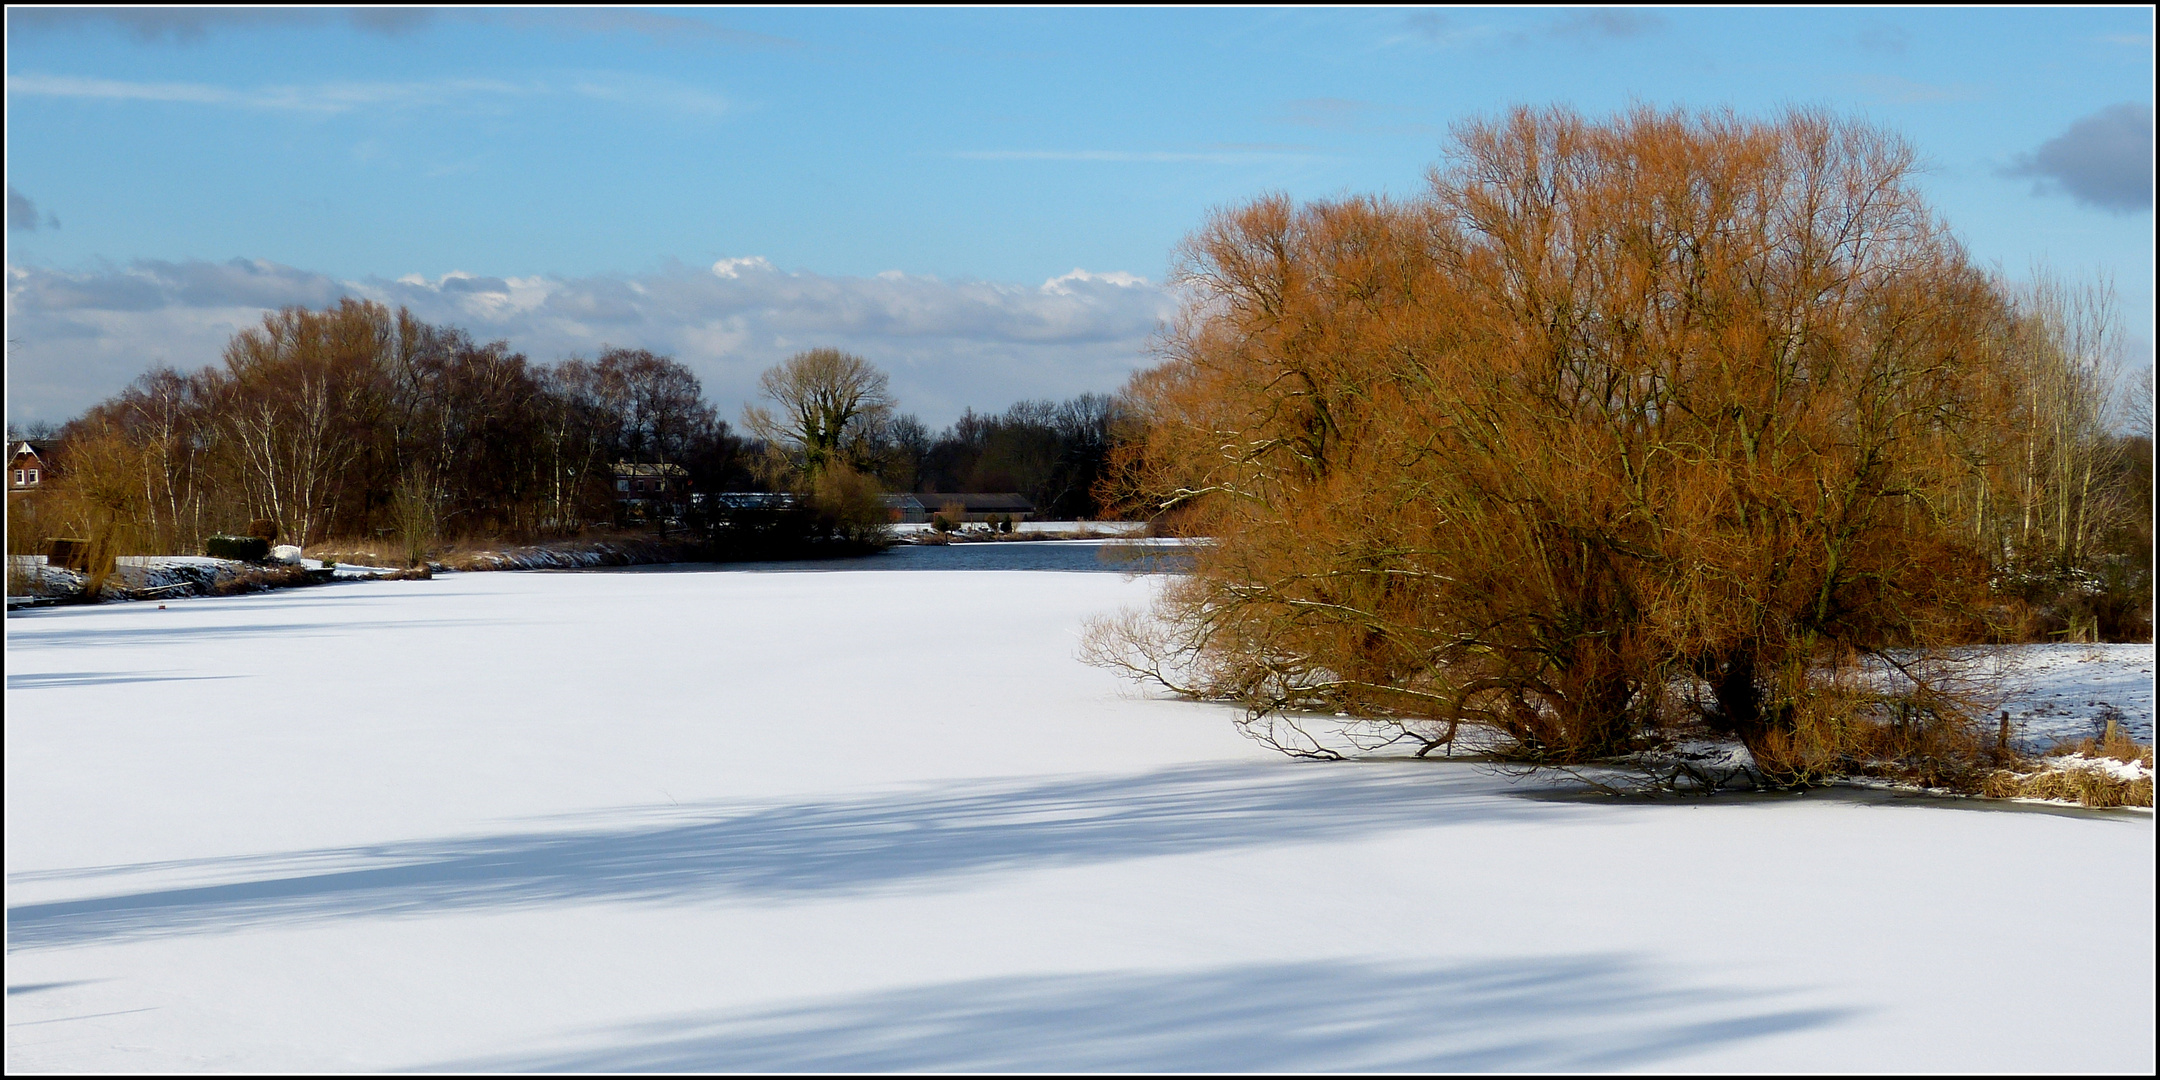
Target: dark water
column 1085, row 556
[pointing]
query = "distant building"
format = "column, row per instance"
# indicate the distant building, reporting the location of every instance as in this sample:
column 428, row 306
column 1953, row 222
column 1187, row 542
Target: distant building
column 907, row 509
column 977, row 506
column 637, row 483
column 29, row 466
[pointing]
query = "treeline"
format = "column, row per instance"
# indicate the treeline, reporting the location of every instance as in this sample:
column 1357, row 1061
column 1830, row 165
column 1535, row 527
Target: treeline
column 360, row 423
column 1051, row 452
column 2062, row 505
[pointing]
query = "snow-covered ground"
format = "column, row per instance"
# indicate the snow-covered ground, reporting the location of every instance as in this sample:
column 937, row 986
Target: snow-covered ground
column 744, row 820
column 2063, row 693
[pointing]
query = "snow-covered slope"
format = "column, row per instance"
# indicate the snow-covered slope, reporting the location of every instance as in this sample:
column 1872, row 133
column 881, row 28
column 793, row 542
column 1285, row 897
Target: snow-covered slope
column 2063, row 693
column 869, row 820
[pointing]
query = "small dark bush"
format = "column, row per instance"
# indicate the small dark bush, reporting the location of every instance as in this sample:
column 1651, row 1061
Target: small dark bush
column 264, row 528
column 241, row 548
column 949, row 518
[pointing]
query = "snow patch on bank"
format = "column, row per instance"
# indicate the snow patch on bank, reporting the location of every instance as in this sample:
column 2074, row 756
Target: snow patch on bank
column 2062, row 693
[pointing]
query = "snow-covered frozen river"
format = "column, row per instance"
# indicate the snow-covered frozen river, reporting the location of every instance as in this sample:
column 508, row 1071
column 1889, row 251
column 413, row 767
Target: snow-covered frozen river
column 761, row 819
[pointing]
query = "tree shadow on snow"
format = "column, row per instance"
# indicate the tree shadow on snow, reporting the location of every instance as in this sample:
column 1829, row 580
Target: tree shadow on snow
column 77, row 636
column 786, row 851
column 50, row 679
column 1552, row 1014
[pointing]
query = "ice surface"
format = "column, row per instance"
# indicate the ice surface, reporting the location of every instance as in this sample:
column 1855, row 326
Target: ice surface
column 736, row 820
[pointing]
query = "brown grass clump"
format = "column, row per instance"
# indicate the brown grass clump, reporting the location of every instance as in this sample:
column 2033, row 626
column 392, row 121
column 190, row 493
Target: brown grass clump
column 2086, row 787
column 2002, row 784
column 2083, row 785
column 2112, row 744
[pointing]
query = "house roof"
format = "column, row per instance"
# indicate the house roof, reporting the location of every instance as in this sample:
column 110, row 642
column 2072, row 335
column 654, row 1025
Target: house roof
column 979, row 502
column 631, row 468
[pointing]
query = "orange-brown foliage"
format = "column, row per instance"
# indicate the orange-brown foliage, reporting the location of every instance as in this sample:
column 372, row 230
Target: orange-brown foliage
column 1671, row 399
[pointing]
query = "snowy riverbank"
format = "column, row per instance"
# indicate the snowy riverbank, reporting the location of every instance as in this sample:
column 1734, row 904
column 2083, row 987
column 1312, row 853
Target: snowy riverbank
column 736, row 819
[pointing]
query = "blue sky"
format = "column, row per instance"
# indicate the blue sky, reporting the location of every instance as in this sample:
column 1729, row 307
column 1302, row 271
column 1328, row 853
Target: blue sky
column 984, row 201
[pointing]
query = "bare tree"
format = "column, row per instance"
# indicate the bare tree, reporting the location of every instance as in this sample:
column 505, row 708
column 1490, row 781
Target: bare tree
column 663, row 407
column 302, row 394
column 823, row 397
column 2138, row 404
column 2068, row 356
column 578, row 428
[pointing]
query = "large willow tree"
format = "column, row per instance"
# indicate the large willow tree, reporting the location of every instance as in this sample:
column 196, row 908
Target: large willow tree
column 1673, row 418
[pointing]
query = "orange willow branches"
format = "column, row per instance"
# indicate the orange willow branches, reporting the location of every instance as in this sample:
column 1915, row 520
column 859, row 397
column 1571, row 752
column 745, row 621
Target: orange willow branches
column 1673, row 399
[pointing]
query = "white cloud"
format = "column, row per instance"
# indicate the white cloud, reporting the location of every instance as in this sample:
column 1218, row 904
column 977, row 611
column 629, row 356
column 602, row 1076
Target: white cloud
column 79, row 337
column 190, row 25
column 733, row 268
column 657, row 27
column 1349, row 115
column 332, row 98
column 651, row 92
column 193, row 25
column 1902, row 91
column 1432, row 28
column 117, row 90
column 1063, row 284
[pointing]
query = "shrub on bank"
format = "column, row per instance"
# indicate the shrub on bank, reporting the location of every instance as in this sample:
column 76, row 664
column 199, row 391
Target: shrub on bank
column 1623, row 428
column 237, row 548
